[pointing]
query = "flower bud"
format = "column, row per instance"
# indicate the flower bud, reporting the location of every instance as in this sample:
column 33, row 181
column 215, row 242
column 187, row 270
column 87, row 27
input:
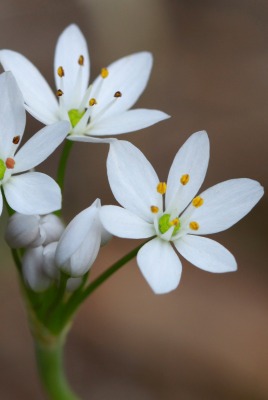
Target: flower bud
column 32, row 270
column 32, row 230
column 73, row 284
column 80, row 242
column 23, row 231
column 49, row 265
column 53, row 227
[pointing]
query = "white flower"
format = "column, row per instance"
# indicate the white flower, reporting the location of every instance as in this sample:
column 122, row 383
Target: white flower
column 80, row 242
column 32, row 230
column 97, row 110
column 170, row 212
column 31, row 192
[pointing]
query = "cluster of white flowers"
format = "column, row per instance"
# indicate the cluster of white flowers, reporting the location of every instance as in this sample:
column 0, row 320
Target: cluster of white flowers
column 171, row 212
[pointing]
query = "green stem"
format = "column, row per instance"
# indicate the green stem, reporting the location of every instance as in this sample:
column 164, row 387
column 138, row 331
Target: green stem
column 63, row 162
column 78, row 297
column 49, row 358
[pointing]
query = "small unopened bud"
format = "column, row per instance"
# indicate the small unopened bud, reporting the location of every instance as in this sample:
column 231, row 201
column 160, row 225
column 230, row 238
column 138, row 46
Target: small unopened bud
column 73, row 284
column 53, row 227
column 80, row 242
column 49, row 264
column 32, row 270
column 23, row 231
column 32, row 230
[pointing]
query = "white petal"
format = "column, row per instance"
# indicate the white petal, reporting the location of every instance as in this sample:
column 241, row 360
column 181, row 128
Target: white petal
column 32, row 193
column 32, row 271
column 40, row 146
column 160, row 265
column 191, row 159
column 80, row 242
column 127, row 121
column 36, row 92
column 12, row 114
column 206, row 254
column 224, row 205
column 70, row 46
column 133, row 180
column 89, row 139
column 125, row 224
column 129, row 75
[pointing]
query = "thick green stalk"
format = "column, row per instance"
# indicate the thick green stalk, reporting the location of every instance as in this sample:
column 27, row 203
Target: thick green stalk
column 49, row 358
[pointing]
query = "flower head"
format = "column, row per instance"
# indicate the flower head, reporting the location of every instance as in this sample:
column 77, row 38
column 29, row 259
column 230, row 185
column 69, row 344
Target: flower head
column 96, row 110
column 172, row 212
column 31, row 192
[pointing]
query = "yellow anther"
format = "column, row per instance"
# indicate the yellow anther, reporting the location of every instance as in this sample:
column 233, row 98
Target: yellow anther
column 104, row 73
column 118, row 94
column 174, row 222
column 154, row 209
column 198, row 201
column 194, row 225
column 59, row 93
column 60, row 72
column 161, row 187
column 92, row 102
column 10, row 163
column 16, row 139
column 81, row 60
column 185, row 179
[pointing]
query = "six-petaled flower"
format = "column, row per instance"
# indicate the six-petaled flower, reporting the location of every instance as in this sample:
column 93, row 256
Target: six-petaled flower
column 94, row 111
column 172, row 212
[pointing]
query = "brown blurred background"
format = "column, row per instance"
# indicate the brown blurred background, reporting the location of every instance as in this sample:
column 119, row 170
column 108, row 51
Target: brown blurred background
column 208, row 339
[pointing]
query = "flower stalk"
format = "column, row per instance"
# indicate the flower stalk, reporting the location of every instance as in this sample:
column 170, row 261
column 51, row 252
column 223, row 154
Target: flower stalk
column 49, row 357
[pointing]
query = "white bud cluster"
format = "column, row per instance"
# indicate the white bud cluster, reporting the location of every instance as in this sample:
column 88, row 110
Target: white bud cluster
column 50, row 249
column 38, row 235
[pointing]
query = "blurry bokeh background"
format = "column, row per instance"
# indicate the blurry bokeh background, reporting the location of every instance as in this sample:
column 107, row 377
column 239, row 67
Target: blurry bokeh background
column 208, row 339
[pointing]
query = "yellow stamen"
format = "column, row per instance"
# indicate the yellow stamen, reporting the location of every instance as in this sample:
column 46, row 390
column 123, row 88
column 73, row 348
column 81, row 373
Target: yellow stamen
column 154, row 209
column 81, row 60
column 104, row 73
column 161, row 187
column 194, row 225
column 185, row 179
column 174, row 222
column 92, row 102
column 16, row 139
column 198, row 201
column 10, row 163
column 60, row 72
column 59, row 92
column 118, row 94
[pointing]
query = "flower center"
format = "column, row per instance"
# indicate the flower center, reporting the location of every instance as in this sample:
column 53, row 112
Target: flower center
column 164, row 224
column 2, row 169
column 75, row 116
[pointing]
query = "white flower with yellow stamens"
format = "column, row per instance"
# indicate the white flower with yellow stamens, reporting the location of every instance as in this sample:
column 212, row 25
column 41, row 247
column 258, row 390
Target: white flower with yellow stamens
column 172, row 212
column 25, row 192
column 98, row 110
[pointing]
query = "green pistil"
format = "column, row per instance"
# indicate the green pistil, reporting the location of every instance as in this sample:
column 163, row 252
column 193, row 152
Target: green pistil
column 164, row 224
column 2, row 169
column 75, row 116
